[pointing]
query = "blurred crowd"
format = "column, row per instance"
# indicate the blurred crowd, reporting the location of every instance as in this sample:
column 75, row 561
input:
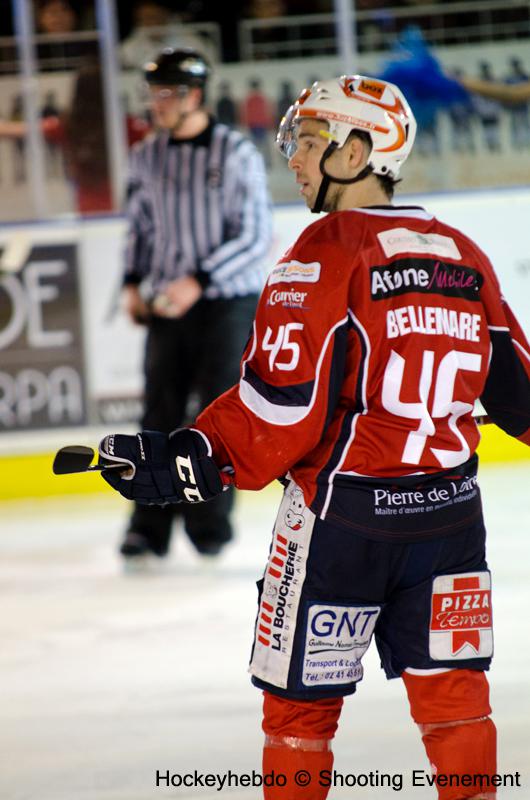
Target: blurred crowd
column 63, row 26
column 484, row 119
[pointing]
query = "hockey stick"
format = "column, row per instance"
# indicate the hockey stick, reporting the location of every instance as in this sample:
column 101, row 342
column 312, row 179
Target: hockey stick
column 78, row 458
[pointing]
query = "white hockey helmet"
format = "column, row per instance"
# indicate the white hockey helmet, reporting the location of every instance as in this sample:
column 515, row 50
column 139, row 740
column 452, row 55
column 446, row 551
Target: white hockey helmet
column 356, row 102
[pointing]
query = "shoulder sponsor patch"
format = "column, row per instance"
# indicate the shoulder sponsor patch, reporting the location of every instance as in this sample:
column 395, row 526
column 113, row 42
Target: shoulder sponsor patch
column 461, row 617
column 403, row 240
column 295, row 272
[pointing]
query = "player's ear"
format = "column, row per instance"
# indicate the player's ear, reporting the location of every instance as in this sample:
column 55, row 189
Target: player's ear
column 357, row 153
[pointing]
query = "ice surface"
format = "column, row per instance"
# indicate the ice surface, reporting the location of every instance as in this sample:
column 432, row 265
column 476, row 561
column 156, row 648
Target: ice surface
column 108, row 677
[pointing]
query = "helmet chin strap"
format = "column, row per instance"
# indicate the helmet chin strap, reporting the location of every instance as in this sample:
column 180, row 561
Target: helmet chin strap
column 327, row 179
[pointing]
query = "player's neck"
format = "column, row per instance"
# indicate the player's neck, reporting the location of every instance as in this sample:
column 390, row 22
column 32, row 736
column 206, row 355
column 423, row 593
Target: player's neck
column 365, row 193
column 192, row 125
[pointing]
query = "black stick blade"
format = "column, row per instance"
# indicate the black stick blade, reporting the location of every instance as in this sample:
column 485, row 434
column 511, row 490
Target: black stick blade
column 74, row 458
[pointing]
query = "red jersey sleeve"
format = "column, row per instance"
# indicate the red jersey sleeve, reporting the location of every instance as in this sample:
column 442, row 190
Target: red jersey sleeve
column 292, row 368
column 506, row 395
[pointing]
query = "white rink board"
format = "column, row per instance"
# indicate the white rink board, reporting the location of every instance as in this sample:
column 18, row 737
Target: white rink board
column 496, row 220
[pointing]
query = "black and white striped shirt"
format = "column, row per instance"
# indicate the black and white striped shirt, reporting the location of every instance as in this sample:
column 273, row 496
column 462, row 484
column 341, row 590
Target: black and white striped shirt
column 198, row 207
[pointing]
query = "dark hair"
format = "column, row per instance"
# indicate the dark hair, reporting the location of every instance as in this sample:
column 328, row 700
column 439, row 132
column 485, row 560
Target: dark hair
column 85, row 140
column 386, row 182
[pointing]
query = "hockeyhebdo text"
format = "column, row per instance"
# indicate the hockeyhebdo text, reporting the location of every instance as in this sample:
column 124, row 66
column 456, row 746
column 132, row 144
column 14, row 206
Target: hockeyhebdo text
column 40, row 382
column 302, row 779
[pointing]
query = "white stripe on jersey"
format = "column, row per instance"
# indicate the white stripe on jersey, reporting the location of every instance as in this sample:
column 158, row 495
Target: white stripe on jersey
column 521, row 348
column 272, row 412
column 396, row 211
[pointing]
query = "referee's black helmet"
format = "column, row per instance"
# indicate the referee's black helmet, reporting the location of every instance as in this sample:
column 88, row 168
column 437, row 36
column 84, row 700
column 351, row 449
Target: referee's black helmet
column 184, row 67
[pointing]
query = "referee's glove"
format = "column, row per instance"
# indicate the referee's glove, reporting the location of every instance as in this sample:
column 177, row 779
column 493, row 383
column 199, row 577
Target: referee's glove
column 159, row 469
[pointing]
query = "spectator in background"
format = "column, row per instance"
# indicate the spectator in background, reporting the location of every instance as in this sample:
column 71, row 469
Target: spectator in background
column 504, row 93
column 461, row 115
column 157, row 27
column 286, row 99
column 488, row 111
column 58, row 19
column 376, row 32
column 81, row 134
column 49, row 110
column 258, row 118
column 519, row 121
column 270, row 41
column 226, row 106
column 16, row 117
column 266, row 9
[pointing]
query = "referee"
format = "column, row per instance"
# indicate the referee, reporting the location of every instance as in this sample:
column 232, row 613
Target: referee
column 199, row 229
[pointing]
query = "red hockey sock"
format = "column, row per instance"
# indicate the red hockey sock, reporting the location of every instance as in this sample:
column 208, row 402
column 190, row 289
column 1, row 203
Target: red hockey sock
column 298, row 746
column 451, row 709
column 465, row 749
column 304, row 769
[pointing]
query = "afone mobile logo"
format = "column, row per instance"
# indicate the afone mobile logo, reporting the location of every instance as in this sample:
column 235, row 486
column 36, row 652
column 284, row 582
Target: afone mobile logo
column 426, row 277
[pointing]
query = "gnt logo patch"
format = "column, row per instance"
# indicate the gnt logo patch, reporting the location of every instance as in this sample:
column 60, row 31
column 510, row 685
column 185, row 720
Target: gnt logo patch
column 461, row 617
column 337, row 638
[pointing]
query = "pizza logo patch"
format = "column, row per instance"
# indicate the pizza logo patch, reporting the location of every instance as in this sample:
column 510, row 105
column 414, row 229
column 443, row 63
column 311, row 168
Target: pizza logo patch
column 461, row 617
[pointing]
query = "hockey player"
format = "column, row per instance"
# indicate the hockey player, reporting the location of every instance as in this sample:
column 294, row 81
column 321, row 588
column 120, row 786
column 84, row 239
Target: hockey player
column 374, row 336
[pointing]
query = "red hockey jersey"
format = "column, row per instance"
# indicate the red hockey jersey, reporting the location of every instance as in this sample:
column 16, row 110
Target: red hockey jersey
column 374, row 336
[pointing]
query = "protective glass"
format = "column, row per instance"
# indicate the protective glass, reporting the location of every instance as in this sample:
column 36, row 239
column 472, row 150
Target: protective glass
column 286, row 136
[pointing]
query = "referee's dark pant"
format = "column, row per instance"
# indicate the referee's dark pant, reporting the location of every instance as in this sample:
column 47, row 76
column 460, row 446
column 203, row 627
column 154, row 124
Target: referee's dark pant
column 188, row 363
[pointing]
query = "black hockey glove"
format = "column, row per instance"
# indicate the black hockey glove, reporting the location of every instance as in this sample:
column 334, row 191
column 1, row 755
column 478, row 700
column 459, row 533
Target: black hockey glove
column 162, row 469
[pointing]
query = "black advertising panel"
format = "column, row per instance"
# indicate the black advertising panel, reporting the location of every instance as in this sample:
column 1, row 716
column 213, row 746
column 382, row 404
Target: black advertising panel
column 42, row 382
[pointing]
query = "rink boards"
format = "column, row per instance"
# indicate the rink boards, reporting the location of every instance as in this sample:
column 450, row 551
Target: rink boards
column 70, row 360
column 30, row 474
